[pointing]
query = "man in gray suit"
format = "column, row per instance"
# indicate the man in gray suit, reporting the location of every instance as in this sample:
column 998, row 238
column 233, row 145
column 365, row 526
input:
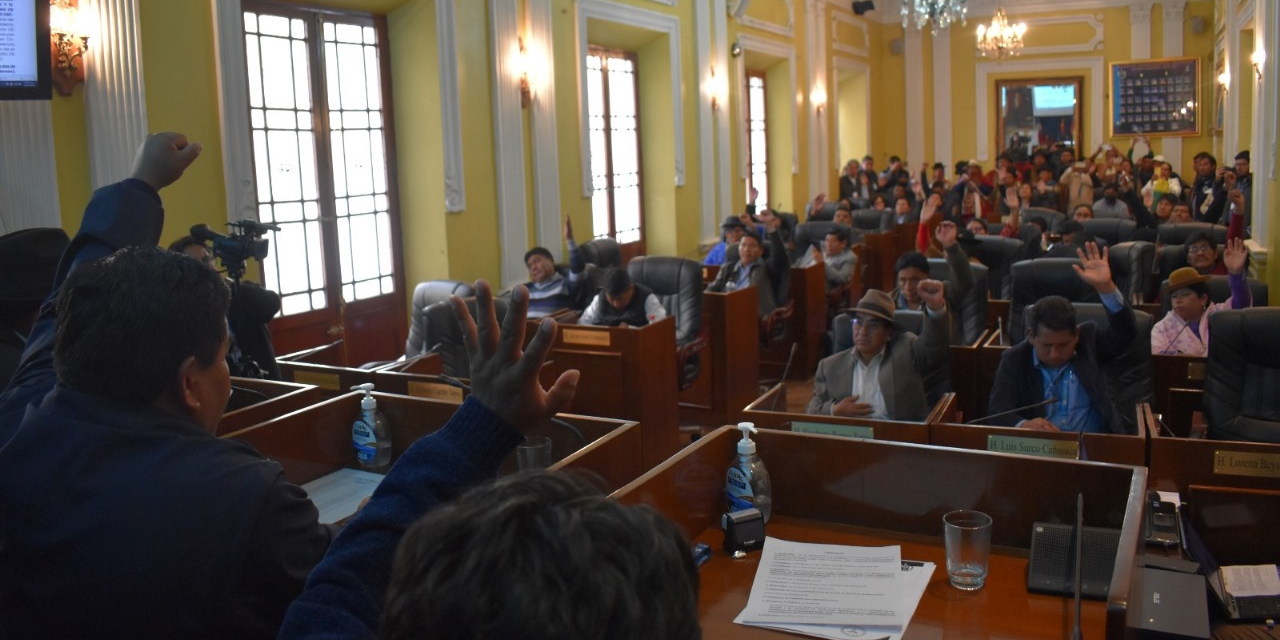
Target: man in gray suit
column 882, row 376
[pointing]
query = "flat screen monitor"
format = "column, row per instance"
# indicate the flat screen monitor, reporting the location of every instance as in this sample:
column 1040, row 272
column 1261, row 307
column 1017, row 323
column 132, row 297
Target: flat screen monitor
column 24, row 50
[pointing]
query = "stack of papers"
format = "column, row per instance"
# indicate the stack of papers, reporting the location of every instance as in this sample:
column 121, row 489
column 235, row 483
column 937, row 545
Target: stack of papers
column 338, row 495
column 835, row 591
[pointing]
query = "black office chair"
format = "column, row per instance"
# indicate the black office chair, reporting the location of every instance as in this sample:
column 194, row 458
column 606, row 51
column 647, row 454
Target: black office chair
column 677, row 283
column 1242, row 376
column 1178, row 233
column 1052, row 217
column 811, row 235
column 444, row 335
column 602, row 252
column 872, row 220
column 1131, row 264
column 998, row 254
column 967, row 322
column 1113, row 230
column 826, row 213
column 424, row 295
column 1220, row 291
column 1032, row 280
column 1128, row 376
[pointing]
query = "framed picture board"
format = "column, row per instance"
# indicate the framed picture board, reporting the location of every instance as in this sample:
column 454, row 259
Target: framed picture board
column 1158, row 98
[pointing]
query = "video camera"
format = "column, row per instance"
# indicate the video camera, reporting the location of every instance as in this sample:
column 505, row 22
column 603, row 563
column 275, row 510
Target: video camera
column 233, row 250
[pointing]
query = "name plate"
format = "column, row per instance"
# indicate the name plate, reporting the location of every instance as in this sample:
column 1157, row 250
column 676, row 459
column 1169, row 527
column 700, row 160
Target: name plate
column 435, row 391
column 328, row 381
column 1069, row 449
column 1242, row 463
column 586, row 337
column 841, row 430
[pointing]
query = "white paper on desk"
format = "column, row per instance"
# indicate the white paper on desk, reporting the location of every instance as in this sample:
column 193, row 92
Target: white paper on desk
column 339, row 494
column 1243, row 581
column 801, row 583
column 914, row 581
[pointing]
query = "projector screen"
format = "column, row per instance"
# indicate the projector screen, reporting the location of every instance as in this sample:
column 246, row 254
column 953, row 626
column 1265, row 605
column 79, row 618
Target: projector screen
column 24, row 50
column 1054, row 100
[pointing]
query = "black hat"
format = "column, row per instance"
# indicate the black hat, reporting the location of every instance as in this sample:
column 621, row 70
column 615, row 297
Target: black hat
column 732, row 222
column 28, row 263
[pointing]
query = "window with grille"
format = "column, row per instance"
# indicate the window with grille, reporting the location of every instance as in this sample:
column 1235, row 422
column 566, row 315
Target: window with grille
column 613, row 123
column 319, row 149
column 757, row 149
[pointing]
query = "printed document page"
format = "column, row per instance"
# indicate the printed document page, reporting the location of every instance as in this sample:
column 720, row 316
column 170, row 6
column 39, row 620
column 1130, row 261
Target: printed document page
column 915, row 578
column 1243, row 581
column 799, row 583
column 338, row 495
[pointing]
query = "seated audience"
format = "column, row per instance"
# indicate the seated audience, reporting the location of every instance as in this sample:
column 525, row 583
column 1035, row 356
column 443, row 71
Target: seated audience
column 1045, row 190
column 750, row 270
column 1208, row 195
column 1164, row 209
column 879, row 204
column 549, row 289
column 1202, row 255
column 1163, row 183
column 1185, row 329
column 843, row 215
column 849, row 180
column 1082, row 213
column 1180, row 213
column 623, row 303
column 836, row 256
column 526, row 557
column 971, row 197
column 1061, row 361
column 1111, row 206
column 251, row 354
column 977, row 227
column 904, row 212
column 730, row 233
column 882, row 376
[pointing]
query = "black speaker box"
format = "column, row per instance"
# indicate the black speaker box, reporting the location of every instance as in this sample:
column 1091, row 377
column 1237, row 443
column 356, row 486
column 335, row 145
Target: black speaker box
column 1051, row 568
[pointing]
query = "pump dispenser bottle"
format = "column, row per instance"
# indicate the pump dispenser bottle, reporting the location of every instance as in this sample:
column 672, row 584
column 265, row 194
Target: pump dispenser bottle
column 747, row 482
column 370, row 434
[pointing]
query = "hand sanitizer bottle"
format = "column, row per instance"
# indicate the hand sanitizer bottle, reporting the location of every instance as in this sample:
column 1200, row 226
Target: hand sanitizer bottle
column 747, row 482
column 369, row 434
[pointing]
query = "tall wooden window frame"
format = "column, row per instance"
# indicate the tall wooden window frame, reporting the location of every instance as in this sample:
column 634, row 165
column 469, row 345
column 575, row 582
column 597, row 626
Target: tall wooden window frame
column 757, row 136
column 607, row 128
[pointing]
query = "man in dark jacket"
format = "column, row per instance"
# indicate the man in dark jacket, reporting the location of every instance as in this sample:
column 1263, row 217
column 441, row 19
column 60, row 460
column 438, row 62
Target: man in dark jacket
column 1060, row 363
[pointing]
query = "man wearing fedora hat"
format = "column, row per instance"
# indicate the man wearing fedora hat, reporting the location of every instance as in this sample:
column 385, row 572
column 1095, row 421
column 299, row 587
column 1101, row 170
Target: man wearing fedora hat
column 883, row 375
column 731, row 231
column 1185, row 329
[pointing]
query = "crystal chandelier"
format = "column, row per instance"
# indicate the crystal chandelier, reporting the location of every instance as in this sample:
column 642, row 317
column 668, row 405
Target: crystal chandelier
column 937, row 14
column 1001, row 39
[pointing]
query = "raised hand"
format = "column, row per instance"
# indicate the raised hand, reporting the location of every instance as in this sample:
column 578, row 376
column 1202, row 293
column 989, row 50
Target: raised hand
column 1236, row 197
column 755, row 193
column 946, row 234
column 568, row 228
column 771, row 221
column 818, row 202
column 930, row 208
column 1235, row 256
column 504, row 377
column 1011, row 199
column 933, row 292
column 1094, row 268
column 163, row 157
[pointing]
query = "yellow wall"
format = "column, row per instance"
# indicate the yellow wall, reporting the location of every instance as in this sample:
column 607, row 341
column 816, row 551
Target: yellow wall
column 852, row 113
column 778, row 109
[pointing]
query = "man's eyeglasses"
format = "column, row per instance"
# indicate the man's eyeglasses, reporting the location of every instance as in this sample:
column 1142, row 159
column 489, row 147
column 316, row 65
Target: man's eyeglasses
column 1199, row 248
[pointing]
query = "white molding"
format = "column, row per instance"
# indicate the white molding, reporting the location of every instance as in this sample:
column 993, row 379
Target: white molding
column 724, row 126
column 840, row 18
column 542, row 120
column 1055, row 68
column 943, row 118
column 607, row 11
column 914, row 77
column 1140, row 31
column 1094, row 43
column 455, row 184
column 1172, row 13
column 777, row 49
column 508, row 140
column 115, row 98
column 233, row 90
column 669, row 3
column 786, row 32
column 818, row 122
column 982, row 10
column 707, row 223
column 833, row 102
column 1263, row 160
column 28, row 171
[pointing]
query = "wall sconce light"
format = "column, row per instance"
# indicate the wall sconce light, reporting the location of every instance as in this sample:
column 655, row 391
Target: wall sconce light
column 523, row 63
column 70, row 31
column 1224, row 80
column 818, row 98
column 718, row 89
column 1259, row 57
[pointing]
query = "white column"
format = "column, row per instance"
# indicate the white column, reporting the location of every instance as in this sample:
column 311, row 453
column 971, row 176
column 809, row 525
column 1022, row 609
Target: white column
column 1262, row 157
column 233, row 89
column 1140, row 30
column 943, row 123
column 455, row 191
column 115, row 99
column 546, row 157
column 707, row 223
column 1173, row 12
column 915, row 96
column 508, row 139
column 28, row 174
column 817, row 63
column 724, row 129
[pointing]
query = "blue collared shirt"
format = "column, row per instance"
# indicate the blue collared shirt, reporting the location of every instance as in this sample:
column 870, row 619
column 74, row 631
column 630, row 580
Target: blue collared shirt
column 1074, row 410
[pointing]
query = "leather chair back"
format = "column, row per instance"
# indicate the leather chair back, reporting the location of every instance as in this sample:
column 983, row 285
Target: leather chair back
column 1035, row 279
column 1052, row 217
column 678, row 284
column 813, row 233
column 1129, row 375
column 445, row 336
column 872, row 220
column 827, row 213
column 1131, row 265
column 1168, row 258
column 998, row 254
column 602, row 252
column 842, row 327
column 971, row 318
column 1220, row 291
column 1113, row 230
column 1177, row 233
column 1243, row 374
column 424, row 295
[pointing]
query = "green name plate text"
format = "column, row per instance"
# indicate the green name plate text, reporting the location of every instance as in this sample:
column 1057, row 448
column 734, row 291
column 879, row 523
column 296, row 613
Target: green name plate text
column 842, row 430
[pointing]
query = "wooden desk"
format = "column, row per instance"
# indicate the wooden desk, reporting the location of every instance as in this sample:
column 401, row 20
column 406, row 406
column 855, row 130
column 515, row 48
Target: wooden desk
column 885, row 249
column 1098, row 447
column 425, row 364
column 764, row 416
column 627, row 373
column 1175, row 381
column 964, row 367
column 861, row 492
column 987, row 356
column 730, row 365
column 1177, row 463
column 324, row 367
column 282, row 398
column 805, row 328
column 316, row 441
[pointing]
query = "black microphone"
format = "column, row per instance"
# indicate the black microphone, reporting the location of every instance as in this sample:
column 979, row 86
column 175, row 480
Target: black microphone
column 1017, row 410
column 203, row 233
column 1170, row 351
column 785, row 370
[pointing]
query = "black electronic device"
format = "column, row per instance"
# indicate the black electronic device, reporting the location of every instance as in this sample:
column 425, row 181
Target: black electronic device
column 1172, row 605
column 1161, row 522
column 743, row 530
column 1051, row 568
column 25, row 53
